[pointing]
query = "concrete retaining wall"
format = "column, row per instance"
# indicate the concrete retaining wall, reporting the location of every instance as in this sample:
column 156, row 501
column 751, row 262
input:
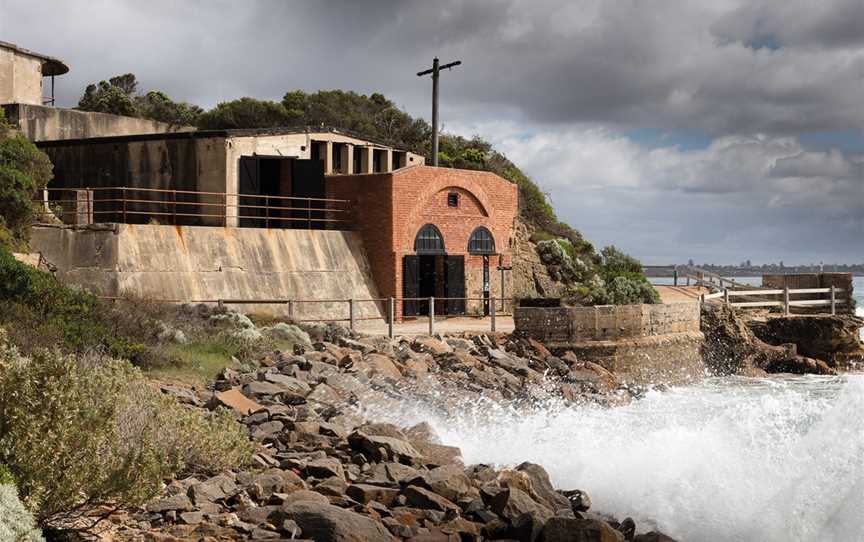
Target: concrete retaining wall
column 641, row 344
column 193, row 263
column 565, row 325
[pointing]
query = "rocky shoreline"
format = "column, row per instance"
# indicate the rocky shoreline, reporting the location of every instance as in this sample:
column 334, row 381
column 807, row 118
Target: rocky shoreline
column 325, row 471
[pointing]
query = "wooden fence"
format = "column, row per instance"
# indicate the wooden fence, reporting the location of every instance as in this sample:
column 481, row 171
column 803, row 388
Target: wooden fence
column 786, row 300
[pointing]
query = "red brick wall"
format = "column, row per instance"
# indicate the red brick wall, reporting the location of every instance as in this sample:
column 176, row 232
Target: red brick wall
column 390, row 209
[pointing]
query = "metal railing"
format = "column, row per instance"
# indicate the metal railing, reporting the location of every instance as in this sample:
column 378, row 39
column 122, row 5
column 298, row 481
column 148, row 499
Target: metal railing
column 131, row 205
column 496, row 307
column 786, row 302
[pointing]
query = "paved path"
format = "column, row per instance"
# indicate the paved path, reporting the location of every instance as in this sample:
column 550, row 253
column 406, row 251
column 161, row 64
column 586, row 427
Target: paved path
column 679, row 294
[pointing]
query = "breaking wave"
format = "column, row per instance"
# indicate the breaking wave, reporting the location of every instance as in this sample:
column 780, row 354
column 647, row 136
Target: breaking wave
column 729, row 459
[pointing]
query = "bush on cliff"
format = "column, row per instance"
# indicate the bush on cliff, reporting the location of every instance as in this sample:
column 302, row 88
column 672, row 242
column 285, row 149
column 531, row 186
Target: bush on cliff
column 23, row 170
column 82, row 431
column 619, row 281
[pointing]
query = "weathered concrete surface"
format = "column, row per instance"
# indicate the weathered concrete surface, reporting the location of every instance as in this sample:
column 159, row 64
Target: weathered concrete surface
column 20, row 76
column 193, row 263
column 41, row 123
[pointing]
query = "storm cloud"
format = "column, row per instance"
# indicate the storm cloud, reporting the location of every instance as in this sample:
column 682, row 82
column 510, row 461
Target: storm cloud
column 717, row 130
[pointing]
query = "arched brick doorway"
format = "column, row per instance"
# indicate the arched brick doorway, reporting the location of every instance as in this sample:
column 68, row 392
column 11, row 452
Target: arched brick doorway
column 431, row 272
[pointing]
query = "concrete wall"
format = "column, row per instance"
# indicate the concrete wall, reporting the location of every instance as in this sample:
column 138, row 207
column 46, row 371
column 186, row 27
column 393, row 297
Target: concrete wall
column 567, row 325
column 41, row 123
column 188, row 263
column 842, row 281
column 641, row 344
column 20, row 78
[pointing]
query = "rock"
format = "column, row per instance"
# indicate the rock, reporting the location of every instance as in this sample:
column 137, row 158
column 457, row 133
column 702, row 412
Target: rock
column 236, row 401
column 430, row 345
column 382, row 365
column 427, row 500
column 511, row 503
column 174, row 502
column 266, row 430
column 328, row 523
column 393, row 448
column 325, row 468
column 542, row 487
column 287, row 383
column 559, row 529
column 213, row 489
column 288, row 333
column 450, row 482
column 363, row 493
column 261, row 486
column 653, row 536
column 437, row 455
column 305, row 496
column 627, row 528
column 422, row 432
column 182, row 395
column 579, row 500
column 191, row 518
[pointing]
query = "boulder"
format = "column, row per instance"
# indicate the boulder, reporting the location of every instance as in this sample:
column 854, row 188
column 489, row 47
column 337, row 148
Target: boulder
column 543, row 489
column 177, row 502
column 288, row 333
column 560, row 529
column 382, row 365
column 328, row 523
column 392, row 448
column 235, row 400
column 430, row 345
column 653, row 536
column 427, row 500
column 325, row 467
column 363, row 493
column 213, row 489
column 287, row 383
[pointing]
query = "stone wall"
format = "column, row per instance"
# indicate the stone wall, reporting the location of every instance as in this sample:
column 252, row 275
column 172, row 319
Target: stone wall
column 41, row 123
column 190, row 263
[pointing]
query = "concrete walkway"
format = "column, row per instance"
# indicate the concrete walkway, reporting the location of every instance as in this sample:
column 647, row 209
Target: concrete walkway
column 679, row 294
column 443, row 325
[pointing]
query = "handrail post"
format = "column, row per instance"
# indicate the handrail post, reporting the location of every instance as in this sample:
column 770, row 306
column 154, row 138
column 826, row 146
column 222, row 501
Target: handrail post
column 432, row 315
column 391, row 315
column 833, row 300
column 174, row 206
column 786, row 299
column 123, row 195
column 267, row 211
column 675, row 276
column 492, row 313
column 726, row 296
column 291, row 309
column 351, row 316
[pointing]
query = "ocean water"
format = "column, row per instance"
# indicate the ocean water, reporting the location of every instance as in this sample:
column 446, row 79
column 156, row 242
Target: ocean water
column 730, row 459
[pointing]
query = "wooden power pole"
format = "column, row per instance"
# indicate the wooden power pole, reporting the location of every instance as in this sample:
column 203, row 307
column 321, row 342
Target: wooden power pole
column 436, row 69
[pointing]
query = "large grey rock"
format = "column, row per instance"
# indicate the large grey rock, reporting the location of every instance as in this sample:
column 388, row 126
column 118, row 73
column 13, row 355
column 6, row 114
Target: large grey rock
column 288, row 333
column 287, row 383
column 542, row 486
column 427, row 500
column 328, row 523
column 392, row 448
column 177, row 502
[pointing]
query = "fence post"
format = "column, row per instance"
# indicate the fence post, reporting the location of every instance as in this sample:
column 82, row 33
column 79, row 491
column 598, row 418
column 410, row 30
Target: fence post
column 391, row 315
column 786, row 299
column 351, row 313
column 432, row 315
column 123, row 195
column 833, row 300
column 291, row 309
column 675, row 276
column 174, row 206
column 492, row 313
column 726, row 296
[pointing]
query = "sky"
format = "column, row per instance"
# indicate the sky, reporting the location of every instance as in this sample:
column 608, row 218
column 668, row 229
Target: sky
column 717, row 130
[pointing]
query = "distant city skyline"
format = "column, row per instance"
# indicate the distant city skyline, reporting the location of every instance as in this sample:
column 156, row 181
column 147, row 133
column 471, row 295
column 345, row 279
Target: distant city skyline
column 717, row 131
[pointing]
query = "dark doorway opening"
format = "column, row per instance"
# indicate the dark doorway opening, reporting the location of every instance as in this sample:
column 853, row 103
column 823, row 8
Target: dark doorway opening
column 432, row 273
column 265, row 182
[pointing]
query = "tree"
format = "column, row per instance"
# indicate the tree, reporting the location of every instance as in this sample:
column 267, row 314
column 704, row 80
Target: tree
column 23, row 170
column 244, row 113
column 119, row 96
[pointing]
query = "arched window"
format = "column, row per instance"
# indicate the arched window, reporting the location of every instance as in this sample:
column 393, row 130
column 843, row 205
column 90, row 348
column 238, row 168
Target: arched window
column 481, row 242
column 429, row 241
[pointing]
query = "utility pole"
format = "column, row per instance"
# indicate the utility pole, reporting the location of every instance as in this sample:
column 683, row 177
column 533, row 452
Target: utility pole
column 436, row 69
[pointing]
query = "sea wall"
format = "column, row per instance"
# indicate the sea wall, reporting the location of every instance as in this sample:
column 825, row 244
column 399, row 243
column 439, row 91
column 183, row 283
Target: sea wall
column 195, row 263
column 639, row 343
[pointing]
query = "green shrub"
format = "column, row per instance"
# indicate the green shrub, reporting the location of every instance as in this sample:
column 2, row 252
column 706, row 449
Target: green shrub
column 16, row 522
column 23, row 170
column 79, row 431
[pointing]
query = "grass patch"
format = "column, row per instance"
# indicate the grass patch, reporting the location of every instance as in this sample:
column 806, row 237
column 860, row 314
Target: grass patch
column 198, row 361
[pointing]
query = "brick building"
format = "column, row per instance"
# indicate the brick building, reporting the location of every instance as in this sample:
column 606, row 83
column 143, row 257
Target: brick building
column 433, row 231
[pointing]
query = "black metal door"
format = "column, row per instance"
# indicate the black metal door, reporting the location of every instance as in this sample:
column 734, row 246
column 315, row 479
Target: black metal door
column 308, row 182
column 410, row 284
column 454, row 284
column 250, row 187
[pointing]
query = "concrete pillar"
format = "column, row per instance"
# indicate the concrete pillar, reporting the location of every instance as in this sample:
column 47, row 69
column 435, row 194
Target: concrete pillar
column 387, row 164
column 366, row 161
column 327, row 156
column 347, row 159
